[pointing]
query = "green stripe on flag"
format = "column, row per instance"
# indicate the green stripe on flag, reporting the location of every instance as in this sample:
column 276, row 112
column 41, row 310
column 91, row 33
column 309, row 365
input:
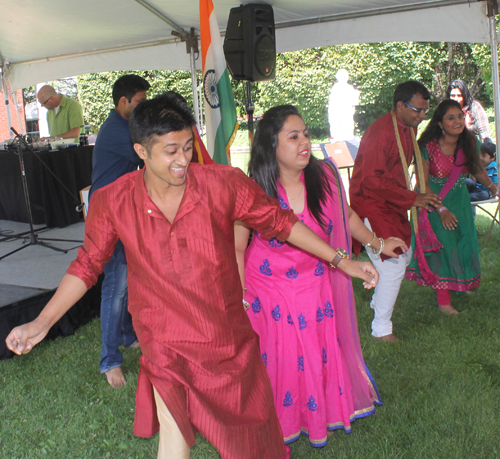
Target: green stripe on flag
column 228, row 118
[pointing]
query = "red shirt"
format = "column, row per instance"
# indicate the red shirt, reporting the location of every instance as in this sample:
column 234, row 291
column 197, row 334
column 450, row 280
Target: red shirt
column 378, row 186
column 185, row 297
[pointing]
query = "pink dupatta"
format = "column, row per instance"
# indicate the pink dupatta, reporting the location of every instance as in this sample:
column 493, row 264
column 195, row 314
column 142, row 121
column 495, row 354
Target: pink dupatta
column 365, row 392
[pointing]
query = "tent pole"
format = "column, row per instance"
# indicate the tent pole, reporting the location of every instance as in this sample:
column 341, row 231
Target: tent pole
column 3, row 77
column 193, row 49
column 194, row 84
column 492, row 9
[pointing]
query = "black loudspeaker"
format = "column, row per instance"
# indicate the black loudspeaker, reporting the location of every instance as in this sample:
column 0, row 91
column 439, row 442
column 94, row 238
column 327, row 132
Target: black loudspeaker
column 249, row 44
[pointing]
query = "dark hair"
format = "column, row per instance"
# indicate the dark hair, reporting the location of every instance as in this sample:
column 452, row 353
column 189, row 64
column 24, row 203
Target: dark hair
column 464, row 91
column 127, row 86
column 489, row 148
column 466, row 140
column 405, row 91
column 158, row 116
column 264, row 169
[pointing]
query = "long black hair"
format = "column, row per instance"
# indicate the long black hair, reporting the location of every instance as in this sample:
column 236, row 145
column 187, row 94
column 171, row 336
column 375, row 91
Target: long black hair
column 466, row 140
column 264, row 169
column 461, row 85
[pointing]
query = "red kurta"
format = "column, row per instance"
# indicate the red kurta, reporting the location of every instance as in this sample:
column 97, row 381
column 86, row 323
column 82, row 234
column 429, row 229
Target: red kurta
column 378, row 187
column 185, row 297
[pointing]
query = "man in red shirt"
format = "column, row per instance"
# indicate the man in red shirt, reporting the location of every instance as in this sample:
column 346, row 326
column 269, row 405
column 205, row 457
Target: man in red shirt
column 201, row 368
column 379, row 194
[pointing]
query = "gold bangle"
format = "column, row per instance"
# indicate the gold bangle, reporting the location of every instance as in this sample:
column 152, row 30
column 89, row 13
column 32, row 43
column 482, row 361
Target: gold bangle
column 373, row 239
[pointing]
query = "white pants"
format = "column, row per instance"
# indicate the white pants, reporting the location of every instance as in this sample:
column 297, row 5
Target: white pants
column 172, row 444
column 391, row 274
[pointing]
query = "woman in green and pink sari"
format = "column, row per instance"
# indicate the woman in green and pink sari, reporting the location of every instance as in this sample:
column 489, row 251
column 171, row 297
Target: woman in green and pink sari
column 449, row 260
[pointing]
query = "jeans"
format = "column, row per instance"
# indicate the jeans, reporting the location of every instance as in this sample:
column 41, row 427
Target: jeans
column 391, row 274
column 116, row 322
column 476, row 193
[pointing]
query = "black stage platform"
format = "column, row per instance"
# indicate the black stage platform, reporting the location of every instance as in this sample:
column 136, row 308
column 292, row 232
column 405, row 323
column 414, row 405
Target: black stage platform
column 28, row 280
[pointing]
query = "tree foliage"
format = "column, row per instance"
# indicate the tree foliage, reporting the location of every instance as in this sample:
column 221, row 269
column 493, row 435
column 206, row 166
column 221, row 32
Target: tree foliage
column 95, row 90
column 304, row 78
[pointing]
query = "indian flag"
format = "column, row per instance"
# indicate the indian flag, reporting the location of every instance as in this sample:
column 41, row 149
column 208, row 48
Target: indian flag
column 220, row 111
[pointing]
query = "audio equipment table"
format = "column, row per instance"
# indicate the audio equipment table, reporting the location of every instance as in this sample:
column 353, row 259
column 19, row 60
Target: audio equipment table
column 50, row 203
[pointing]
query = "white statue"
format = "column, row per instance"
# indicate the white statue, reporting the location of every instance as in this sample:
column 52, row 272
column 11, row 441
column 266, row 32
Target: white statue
column 341, row 106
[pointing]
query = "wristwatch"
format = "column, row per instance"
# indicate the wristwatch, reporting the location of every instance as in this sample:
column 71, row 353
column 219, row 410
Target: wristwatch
column 341, row 255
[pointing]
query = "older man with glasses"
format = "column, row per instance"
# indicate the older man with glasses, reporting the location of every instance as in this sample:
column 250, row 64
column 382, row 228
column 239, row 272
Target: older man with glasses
column 380, row 193
column 64, row 115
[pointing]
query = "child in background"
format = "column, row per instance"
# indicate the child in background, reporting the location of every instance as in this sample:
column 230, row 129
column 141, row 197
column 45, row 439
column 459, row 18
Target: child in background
column 478, row 192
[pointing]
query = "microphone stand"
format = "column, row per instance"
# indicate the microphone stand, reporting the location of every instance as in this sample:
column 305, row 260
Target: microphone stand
column 33, row 238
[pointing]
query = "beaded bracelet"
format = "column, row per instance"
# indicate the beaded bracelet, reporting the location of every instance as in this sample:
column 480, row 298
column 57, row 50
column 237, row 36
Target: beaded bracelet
column 442, row 209
column 381, row 248
column 371, row 242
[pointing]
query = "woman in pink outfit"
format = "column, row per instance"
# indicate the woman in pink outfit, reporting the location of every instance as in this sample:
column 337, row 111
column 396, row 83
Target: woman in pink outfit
column 303, row 309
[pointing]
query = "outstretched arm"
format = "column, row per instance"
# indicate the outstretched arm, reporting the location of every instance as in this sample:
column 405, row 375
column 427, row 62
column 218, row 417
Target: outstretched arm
column 22, row 339
column 368, row 238
column 303, row 237
column 483, row 178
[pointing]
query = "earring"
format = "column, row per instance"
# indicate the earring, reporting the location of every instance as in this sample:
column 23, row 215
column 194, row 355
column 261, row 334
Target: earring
column 442, row 130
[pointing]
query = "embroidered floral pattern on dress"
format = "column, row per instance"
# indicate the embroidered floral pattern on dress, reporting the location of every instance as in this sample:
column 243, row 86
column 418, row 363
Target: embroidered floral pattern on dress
column 442, row 180
column 312, row 404
column 275, row 313
column 319, row 314
column 324, row 356
column 328, row 309
column 292, row 273
column 289, row 319
column 340, row 390
column 264, row 358
column 288, row 399
column 320, row 269
column 301, row 363
column 330, row 227
column 302, row 322
column 256, row 306
column 282, row 202
column 275, row 243
column 265, row 269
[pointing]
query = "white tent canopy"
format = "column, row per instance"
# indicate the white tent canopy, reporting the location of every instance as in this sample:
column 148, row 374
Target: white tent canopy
column 50, row 39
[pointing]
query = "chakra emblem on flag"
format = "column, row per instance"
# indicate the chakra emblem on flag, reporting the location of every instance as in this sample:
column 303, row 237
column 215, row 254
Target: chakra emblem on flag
column 210, row 89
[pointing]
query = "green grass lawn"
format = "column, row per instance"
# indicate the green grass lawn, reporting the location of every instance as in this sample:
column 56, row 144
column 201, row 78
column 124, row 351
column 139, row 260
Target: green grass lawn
column 440, row 387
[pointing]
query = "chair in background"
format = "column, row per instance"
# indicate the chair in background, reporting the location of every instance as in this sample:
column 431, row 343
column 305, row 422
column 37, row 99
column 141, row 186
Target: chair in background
column 339, row 153
column 84, row 198
column 494, row 216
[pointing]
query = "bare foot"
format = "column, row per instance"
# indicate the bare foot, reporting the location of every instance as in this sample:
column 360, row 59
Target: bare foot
column 136, row 345
column 115, row 377
column 388, row 338
column 447, row 309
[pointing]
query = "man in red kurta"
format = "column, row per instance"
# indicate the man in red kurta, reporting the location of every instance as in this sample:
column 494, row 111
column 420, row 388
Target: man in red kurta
column 379, row 194
column 201, row 368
